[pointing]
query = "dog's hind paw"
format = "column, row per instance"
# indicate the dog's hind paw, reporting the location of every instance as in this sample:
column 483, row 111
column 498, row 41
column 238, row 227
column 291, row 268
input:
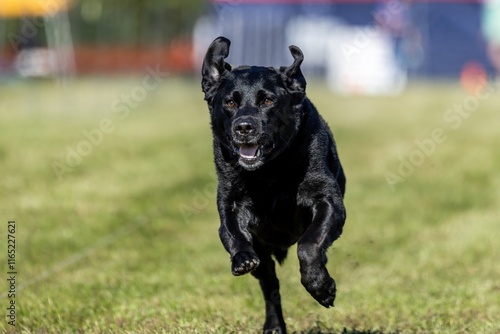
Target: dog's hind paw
column 244, row 262
column 322, row 287
column 329, row 295
column 276, row 330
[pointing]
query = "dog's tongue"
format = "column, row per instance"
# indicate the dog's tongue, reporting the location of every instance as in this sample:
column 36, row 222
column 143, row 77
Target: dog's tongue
column 248, row 151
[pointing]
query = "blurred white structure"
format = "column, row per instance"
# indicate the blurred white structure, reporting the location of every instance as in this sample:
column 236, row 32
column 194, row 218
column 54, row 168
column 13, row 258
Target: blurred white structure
column 363, row 63
column 352, row 59
column 355, row 59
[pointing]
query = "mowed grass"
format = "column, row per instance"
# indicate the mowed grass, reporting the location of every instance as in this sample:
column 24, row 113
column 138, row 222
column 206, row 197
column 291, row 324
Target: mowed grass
column 123, row 238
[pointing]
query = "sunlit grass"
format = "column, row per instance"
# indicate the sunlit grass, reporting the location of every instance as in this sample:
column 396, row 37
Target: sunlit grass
column 126, row 239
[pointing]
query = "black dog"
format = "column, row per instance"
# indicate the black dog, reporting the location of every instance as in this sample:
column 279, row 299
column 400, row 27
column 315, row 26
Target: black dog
column 280, row 179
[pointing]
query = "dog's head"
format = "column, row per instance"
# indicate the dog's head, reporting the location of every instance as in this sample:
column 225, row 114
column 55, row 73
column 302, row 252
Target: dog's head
column 256, row 111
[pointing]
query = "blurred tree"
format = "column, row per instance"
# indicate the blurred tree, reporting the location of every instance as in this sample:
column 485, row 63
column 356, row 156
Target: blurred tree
column 132, row 22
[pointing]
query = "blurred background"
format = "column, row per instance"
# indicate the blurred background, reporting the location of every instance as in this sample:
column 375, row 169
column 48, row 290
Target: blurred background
column 106, row 164
column 361, row 46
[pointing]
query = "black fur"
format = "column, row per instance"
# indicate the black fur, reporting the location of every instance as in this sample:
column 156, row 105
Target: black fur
column 280, row 178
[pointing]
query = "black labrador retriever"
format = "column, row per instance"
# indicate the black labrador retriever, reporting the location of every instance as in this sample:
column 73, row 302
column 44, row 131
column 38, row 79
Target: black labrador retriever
column 280, row 181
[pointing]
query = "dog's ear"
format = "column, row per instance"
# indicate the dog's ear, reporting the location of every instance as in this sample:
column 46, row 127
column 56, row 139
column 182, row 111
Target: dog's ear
column 292, row 75
column 214, row 65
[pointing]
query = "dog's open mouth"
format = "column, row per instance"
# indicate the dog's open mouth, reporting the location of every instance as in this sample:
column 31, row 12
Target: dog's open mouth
column 250, row 156
column 249, row 151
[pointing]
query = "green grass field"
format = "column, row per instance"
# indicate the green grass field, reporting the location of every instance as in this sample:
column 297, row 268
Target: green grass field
column 118, row 233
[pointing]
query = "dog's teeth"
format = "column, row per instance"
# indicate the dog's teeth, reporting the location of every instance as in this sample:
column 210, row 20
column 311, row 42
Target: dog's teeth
column 249, row 151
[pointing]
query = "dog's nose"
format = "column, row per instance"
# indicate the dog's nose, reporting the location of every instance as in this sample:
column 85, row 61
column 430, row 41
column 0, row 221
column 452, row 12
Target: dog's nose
column 244, row 127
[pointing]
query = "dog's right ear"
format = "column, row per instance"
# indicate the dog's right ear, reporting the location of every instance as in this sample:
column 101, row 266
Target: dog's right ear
column 214, row 65
column 292, row 75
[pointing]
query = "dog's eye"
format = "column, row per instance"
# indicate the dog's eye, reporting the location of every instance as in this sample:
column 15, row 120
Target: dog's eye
column 230, row 103
column 267, row 102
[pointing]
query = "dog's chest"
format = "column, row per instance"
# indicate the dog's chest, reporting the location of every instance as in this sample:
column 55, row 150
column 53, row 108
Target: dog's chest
column 278, row 218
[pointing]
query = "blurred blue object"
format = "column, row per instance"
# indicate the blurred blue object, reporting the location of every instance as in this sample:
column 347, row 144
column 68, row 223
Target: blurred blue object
column 442, row 36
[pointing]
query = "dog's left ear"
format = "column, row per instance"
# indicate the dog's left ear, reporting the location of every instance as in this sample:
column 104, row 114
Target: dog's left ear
column 214, row 65
column 292, row 75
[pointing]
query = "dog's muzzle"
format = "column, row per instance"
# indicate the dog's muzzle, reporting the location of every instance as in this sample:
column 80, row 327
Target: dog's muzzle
column 246, row 132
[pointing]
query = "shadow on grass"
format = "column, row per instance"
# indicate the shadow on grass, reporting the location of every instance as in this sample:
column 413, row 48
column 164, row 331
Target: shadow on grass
column 344, row 331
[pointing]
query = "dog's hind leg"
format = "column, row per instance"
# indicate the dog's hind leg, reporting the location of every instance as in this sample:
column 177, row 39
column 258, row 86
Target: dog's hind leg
column 326, row 226
column 266, row 274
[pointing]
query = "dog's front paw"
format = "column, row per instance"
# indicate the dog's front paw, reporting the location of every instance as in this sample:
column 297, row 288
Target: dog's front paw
column 321, row 286
column 243, row 263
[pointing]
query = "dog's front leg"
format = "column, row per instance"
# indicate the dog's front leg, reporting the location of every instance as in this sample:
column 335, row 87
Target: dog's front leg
column 237, row 240
column 326, row 226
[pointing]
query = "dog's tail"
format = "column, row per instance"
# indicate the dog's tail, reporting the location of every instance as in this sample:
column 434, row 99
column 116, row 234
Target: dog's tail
column 280, row 254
